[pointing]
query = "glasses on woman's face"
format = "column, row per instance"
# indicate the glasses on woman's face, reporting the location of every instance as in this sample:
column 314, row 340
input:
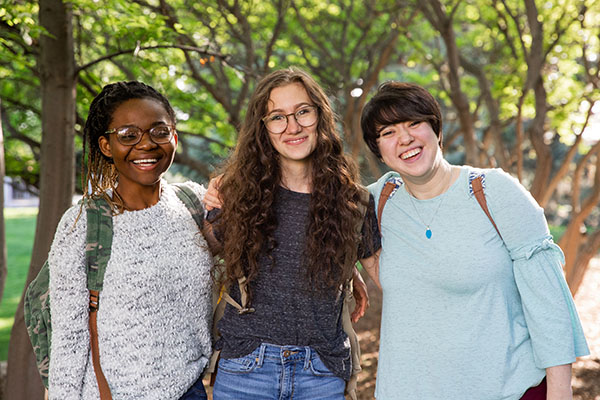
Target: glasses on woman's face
column 277, row 122
column 132, row 135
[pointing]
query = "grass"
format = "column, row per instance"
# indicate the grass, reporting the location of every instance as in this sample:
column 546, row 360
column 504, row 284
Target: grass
column 20, row 230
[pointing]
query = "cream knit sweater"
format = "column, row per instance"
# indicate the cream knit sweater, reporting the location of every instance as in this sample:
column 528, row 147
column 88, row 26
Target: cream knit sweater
column 155, row 307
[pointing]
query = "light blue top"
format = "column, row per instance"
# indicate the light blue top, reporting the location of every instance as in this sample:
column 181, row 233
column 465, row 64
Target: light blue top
column 467, row 315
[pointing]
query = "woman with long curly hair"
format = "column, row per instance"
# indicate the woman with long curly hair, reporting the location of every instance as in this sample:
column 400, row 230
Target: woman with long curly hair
column 293, row 223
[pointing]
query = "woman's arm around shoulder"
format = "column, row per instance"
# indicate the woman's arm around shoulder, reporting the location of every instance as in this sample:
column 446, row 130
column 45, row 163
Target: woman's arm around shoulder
column 211, row 198
column 371, row 265
column 198, row 189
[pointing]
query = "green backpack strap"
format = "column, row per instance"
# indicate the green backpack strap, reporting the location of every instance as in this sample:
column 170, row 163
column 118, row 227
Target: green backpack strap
column 38, row 320
column 97, row 253
column 191, row 201
column 37, row 297
column 98, row 241
column 187, row 195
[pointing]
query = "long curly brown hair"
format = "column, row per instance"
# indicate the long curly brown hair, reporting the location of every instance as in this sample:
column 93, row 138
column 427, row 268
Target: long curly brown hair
column 250, row 180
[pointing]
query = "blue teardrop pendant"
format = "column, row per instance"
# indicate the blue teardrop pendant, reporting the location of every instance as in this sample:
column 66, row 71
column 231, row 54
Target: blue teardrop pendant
column 428, row 233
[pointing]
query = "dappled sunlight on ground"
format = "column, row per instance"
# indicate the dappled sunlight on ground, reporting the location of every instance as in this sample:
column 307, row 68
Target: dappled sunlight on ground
column 586, row 371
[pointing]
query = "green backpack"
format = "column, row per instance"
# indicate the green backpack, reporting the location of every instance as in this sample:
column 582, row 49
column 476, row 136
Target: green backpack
column 97, row 253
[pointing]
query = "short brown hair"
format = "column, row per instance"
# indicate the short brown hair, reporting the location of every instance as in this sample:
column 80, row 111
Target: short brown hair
column 397, row 102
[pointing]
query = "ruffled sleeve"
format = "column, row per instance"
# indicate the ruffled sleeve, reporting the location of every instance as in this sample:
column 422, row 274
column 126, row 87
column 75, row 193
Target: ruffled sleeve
column 550, row 313
column 554, row 326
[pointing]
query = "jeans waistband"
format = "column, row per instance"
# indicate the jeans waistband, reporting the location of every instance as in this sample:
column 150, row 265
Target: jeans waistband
column 284, row 353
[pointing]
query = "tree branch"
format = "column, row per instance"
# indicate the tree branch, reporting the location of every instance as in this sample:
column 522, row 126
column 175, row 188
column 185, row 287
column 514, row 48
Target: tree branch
column 577, row 174
column 135, row 50
column 566, row 163
column 204, row 137
column 518, row 27
column 15, row 134
column 279, row 27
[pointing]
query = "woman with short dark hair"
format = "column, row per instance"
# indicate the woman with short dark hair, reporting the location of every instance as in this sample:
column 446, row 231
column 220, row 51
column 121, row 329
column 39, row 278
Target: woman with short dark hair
column 474, row 307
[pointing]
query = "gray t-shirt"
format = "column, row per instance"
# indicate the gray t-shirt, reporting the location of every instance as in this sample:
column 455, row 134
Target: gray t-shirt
column 287, row 313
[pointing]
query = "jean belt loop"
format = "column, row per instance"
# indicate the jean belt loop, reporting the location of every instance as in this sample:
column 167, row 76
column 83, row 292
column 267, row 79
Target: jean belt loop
column 306, row 357
column 261, row 354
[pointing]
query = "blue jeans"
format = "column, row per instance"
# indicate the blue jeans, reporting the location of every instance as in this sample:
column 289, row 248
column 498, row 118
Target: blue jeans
column 196, row 392
column 278, row 373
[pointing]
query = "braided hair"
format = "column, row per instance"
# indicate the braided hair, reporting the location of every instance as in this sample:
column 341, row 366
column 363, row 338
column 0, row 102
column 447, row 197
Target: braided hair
column 101, row 176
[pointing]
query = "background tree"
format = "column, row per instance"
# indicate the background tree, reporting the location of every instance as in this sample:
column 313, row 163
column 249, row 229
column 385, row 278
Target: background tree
column 346, row 45
column 57, row 79
column 537, row 39
column 3, row 268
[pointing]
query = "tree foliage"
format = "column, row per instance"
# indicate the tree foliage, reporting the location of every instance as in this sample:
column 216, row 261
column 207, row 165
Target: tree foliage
column 518, row 80
column 529, row 76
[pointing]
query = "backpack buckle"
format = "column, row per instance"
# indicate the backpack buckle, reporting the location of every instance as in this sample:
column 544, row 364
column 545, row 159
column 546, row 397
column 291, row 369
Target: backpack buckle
column 245, row 310
column 94, row 298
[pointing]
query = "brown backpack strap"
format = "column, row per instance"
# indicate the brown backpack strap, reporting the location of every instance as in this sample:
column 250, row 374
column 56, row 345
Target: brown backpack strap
column 242, row 309
column 220, row 297
column 347, row 307
column 383, row 198
column 480, row 196
column 102, row 383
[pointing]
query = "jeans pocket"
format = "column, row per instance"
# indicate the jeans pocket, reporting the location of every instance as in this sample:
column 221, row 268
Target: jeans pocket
column 317, row 367
column 241, row 365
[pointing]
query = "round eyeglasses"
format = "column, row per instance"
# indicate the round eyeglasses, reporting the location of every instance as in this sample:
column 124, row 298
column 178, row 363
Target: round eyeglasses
column 132, row 135
column 278, row 122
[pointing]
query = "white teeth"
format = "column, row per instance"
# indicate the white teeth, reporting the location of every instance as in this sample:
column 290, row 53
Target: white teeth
column 295, row 141
column 410, row 153
column 145, row 161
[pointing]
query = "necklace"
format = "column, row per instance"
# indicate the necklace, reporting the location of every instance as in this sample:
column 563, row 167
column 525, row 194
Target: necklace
column 428, row 232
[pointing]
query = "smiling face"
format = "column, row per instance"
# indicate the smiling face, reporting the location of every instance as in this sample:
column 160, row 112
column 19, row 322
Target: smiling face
column 410, row 148
column 296, row 143
column 146, row 162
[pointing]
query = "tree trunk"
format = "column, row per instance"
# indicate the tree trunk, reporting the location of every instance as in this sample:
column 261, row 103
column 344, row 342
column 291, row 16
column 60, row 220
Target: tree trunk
column 3, row 267
column 578, row 245
column 576, row 272
column 442, row 22
column 354, row 105
column 57, row 167
column 543, row 162
column 579, row 248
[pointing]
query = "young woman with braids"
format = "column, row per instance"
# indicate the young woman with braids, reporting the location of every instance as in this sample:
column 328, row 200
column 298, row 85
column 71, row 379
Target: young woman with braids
column 291, row 224
column 153, row 334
